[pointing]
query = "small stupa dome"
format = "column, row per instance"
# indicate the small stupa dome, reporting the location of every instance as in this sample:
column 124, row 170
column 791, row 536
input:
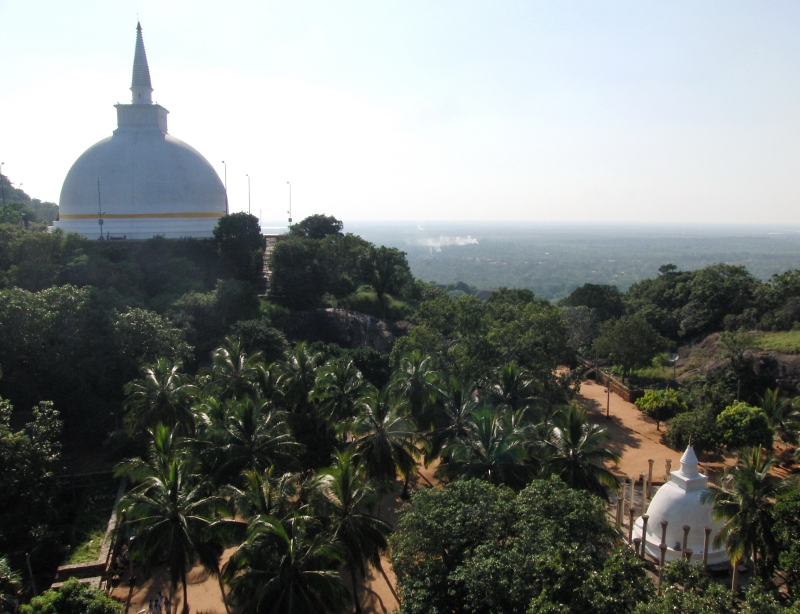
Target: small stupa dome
column 141, row 182
column 679, row 502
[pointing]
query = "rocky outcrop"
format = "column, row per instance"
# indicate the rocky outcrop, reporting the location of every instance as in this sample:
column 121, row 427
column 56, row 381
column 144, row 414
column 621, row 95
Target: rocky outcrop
column 348, row 329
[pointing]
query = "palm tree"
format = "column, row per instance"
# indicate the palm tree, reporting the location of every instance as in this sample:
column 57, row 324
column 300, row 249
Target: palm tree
column 266, row 494
column 783, row 415
column 744, row 500
column 296, row 377
column 283, row 568
column 234, row 371
column 458, row 401
column 513, row 386
column 338, row 387
column 10, row 586
column 345, row 499
column 254, row 437
column 493, row 449
column 416, row 381
column 575, row 451
column 383, row 438
column 162, row 394
column 170, row 510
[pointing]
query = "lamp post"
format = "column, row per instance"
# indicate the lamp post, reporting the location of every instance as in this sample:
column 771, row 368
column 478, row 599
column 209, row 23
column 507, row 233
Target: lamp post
column 248, row 193
column 226, row 186
column 99, row 209
column 608, row 399
column 290, row 201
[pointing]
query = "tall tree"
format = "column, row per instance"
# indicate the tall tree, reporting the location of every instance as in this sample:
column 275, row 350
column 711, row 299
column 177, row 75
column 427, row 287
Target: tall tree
column 234, row 371
column 456, row 404
column 296, row 377
column 417, row 381
column 345, row 500
column 239, row 240
column 255, row 437
column 605, row 300
column 783, row 415
column 171, row 509
column 630, row 342
column 493, row 449
column 744, row 500
column 338, row 387
column 283, row 568
column 386, row 270
column 576, row 450
column 317, row 226
column 161, row 395
column 383, row 437
column 513, row 386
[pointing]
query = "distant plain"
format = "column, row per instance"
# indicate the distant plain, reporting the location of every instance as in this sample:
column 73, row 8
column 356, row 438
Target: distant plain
column 552, row 259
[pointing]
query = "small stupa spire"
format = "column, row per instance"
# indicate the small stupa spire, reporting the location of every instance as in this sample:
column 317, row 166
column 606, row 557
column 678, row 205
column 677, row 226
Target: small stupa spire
column 689, row 463
column 141, row 88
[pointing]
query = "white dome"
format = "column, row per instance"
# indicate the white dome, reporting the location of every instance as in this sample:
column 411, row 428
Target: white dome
column 679, row 502
column 141, row 181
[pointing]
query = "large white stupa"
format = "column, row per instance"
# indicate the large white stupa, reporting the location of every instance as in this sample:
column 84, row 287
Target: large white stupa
column 141, row 182
column 680, row 503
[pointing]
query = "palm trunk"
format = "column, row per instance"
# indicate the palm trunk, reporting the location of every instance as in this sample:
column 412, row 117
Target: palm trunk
column 404, row 494
column 355, row 588
column 185, row 595
column 224, row 596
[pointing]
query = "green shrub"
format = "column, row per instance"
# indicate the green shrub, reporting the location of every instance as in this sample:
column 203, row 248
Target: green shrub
column 698, row 426
column 72, row 598
column 661, row 405
column 744, row 426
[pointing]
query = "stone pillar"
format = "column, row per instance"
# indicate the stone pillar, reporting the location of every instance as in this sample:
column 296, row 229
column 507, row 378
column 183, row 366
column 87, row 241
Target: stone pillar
column 668, row 474
column 620, row 501
column 688, row 554
column 650, row 462
column 636, row 542
column 686, row 529
column 706, row 544
column 645, row 518
column 631, row 512
column 643, row 479
column 663, row 548
column 664, row 524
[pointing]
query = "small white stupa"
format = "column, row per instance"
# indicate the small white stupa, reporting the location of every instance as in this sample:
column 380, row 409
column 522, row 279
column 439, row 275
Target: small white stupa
column 679, row 502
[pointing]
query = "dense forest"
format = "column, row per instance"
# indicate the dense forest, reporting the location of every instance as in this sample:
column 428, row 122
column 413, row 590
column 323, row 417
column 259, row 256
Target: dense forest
column 239, row 423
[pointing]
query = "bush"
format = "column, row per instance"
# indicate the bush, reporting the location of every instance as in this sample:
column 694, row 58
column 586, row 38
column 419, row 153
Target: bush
column 698, row 426
column 744, row 426
column 661, row 405
column 72, row 598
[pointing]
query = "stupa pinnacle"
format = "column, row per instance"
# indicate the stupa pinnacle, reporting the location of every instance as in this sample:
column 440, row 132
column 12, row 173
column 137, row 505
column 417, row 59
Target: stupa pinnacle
column 141, row 87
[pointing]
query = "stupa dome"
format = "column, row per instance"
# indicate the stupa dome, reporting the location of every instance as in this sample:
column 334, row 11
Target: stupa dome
column 141, row 182
column 680, row 503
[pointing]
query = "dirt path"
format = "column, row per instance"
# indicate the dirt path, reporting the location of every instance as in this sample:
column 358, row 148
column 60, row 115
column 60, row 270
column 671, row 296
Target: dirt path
column 634, row 435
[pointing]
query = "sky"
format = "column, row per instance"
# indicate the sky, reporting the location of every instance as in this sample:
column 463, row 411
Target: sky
column 430, row 110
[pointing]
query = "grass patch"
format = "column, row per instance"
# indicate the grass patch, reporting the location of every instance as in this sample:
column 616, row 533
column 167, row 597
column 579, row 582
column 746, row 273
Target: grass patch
column 786, row 342
column 94, row 511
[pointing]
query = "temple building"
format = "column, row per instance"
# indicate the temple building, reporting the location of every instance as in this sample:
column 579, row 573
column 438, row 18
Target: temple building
column 141, row 182
column 681, row 503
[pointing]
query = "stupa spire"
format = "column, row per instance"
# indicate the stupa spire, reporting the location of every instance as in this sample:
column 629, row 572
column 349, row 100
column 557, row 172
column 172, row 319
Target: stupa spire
column 141, row 88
